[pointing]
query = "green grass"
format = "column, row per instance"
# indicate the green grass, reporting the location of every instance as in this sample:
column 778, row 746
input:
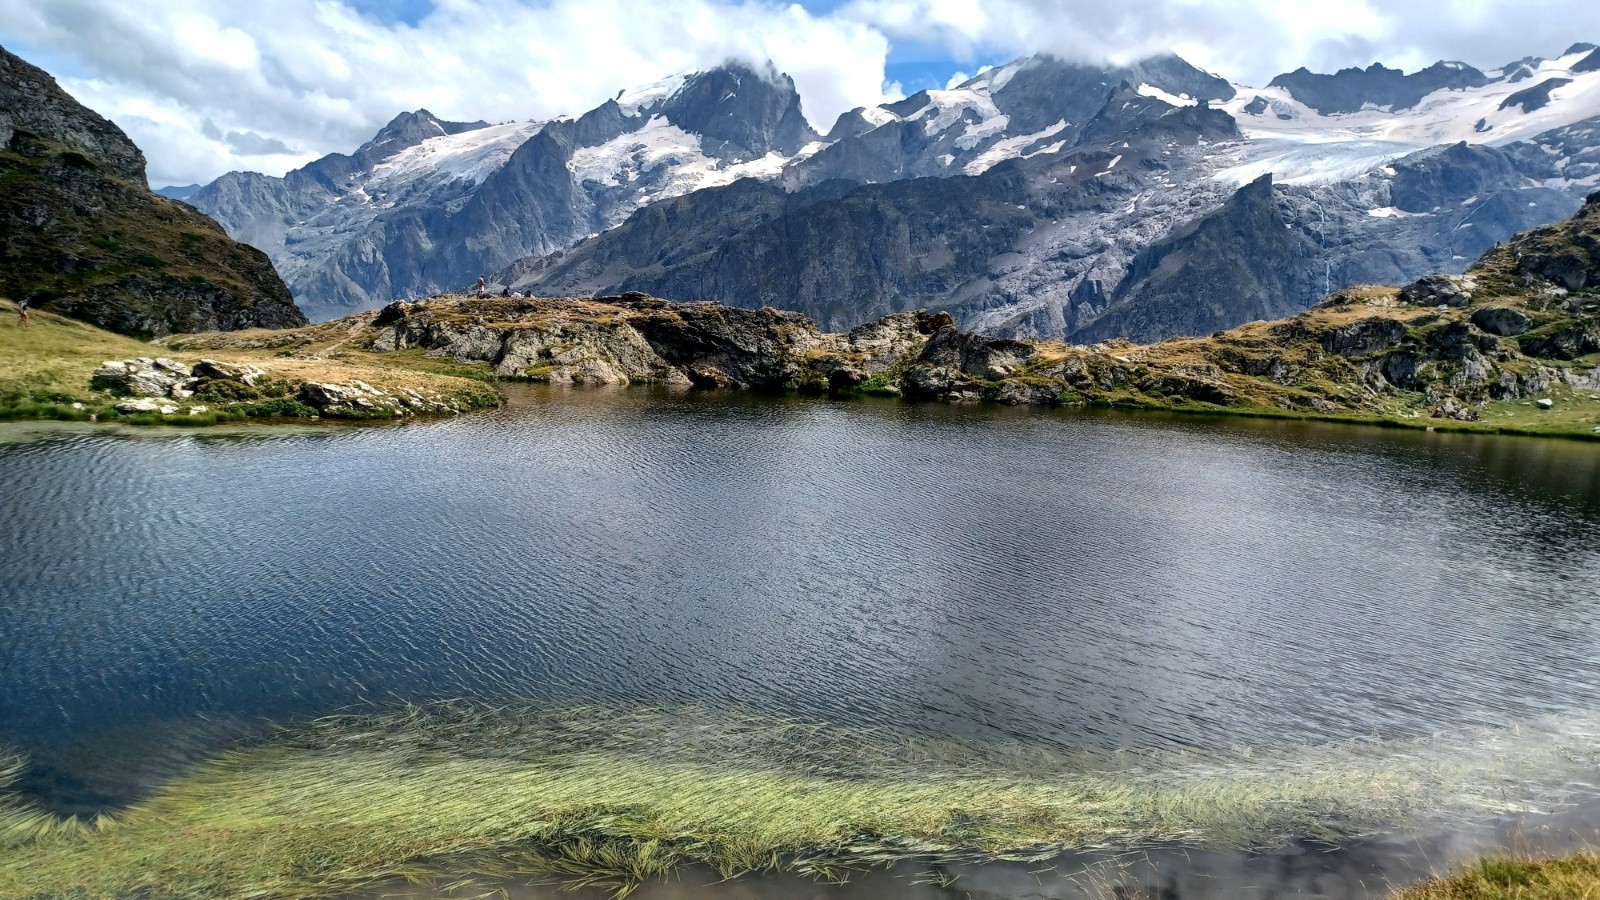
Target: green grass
column 1504, row 878
column 45, row 369
column 614, row 796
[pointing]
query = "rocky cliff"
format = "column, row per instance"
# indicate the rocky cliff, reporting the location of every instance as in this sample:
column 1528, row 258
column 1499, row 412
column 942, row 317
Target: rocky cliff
column 84, row 236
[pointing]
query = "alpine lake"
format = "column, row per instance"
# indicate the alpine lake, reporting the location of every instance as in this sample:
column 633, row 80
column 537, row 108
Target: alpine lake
column 924, row 650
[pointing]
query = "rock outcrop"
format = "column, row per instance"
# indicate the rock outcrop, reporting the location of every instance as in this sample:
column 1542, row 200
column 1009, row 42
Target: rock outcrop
column 81, row 234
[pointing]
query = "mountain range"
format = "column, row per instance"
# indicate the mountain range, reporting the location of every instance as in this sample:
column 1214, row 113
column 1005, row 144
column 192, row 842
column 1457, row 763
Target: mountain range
column 1042, row 198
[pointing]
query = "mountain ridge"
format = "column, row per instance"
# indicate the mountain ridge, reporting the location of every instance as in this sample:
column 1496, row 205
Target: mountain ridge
column 85, row 237
column 557, row 191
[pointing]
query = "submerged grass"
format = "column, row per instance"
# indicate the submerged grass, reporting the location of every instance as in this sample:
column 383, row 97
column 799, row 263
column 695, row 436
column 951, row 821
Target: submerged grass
column 608, row 796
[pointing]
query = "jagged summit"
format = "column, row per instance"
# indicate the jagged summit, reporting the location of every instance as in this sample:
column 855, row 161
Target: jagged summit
column 1351, row 90
column 739, row 112
column 407, row 130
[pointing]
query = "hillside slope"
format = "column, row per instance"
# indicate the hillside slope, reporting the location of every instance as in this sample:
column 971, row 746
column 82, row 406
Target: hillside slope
column 81, row 233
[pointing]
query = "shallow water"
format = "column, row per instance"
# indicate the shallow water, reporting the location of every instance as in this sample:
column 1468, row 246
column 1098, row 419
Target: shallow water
column 1083, row 579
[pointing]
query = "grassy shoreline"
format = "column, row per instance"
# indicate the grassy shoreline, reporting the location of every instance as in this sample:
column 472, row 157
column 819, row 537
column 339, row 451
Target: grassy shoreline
column 44, row 376
column 45, row 372
column 1574, row 877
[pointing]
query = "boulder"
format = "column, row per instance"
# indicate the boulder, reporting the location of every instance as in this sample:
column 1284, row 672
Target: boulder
column 140, row 377
column 977, row 355
column 1504, row 321
column 321, row 396
column 391, row 314
column 244, row 374
column 1436, row 290
column 1364, row 337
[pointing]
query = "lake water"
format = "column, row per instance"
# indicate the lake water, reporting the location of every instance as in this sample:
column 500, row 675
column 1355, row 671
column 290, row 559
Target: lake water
column 1076, row 578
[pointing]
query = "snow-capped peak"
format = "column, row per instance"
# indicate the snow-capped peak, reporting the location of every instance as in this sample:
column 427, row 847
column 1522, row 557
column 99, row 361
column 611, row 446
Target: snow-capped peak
column 635, row 101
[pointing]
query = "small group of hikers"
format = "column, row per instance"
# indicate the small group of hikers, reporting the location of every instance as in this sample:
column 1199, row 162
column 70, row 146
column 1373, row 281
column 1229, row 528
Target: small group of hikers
column 482, row 290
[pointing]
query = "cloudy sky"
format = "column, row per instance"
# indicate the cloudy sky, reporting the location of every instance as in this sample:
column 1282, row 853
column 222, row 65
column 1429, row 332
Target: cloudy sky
column 205, row 86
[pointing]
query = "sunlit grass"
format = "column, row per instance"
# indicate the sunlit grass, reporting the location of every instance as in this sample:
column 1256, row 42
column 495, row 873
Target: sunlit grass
column 600, row 795
column 1502, row 878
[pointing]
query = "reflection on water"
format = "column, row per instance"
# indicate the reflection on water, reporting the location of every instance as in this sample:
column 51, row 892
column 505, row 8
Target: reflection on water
column 1078, row 578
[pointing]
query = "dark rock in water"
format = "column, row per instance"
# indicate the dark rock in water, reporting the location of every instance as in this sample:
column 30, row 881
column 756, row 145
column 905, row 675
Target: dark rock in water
column 1501, row 320
column 1536, row 97
column 1436, row 290
column 1364, row 337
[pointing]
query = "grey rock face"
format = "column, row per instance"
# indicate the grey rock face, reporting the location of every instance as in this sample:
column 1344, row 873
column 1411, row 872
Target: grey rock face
column 1437, row 290
column 31, row 101
column 1348, row 90
column 1364, row 337
column 1501, row 320
column 1200, row 278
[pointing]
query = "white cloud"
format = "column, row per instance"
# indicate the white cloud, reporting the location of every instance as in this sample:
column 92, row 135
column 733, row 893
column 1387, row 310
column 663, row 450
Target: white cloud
column 1246, row 40
column 318, row 76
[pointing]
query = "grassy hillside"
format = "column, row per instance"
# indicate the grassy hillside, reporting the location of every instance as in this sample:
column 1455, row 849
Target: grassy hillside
column 82, row 234
column 45, row 372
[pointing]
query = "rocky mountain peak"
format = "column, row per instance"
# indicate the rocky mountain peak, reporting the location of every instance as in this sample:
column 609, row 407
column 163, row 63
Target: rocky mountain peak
column 1348, row 90
column 408, row 130
column 32, row 102
column 740, row 111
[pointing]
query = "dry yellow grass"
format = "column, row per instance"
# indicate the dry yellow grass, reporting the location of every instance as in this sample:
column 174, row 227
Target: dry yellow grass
column 45, row 367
